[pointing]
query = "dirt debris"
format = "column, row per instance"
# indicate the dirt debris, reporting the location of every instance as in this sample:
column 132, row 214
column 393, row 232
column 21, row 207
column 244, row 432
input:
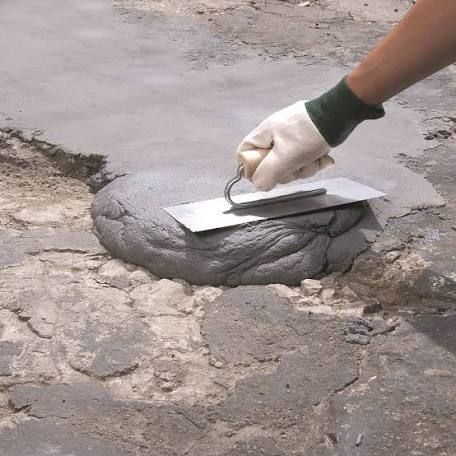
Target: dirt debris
column 34, row 192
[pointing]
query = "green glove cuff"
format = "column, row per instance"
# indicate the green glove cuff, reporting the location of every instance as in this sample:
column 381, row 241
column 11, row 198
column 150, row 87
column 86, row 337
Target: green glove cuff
column 339, row 111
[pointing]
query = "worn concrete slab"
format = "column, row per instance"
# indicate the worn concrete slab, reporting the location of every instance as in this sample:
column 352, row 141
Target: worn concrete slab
column 53, row 436
column 12, row 251
column 258, row 326
column 106, row 350
column 275, row 397
column 289, row 383
column 402, row 402
column 9, row 351
column 67, row 413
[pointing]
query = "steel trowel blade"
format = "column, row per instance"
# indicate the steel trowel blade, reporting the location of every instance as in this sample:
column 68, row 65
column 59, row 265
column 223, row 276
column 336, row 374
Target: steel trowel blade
column 217, row 213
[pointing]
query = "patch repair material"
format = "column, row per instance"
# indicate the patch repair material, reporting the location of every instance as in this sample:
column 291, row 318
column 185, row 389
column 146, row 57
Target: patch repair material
column 130, row 222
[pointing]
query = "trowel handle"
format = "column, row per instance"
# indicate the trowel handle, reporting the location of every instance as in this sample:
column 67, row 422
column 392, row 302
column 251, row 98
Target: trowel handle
column 250, row 159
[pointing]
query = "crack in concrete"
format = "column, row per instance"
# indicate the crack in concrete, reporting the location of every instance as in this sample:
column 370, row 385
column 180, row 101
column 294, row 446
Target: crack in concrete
column 347, row 385
column 117, row 374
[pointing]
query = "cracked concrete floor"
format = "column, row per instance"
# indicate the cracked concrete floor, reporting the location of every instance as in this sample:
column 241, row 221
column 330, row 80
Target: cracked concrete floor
column 100, row 357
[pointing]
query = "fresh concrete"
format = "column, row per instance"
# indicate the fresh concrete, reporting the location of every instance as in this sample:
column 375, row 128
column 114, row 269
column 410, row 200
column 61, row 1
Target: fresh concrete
column 135, row 228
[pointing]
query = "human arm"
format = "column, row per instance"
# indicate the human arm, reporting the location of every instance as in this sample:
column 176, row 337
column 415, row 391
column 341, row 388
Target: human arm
column 300, row 136
column 422, row 43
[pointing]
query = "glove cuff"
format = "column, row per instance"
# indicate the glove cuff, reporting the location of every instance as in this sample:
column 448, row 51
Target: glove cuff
column 339, row 111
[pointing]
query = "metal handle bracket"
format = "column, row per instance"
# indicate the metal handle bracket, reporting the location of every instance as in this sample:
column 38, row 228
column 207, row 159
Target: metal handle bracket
column 266, row 201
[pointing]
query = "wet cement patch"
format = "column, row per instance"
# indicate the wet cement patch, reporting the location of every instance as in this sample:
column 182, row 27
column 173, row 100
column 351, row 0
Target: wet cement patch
column 134, row 228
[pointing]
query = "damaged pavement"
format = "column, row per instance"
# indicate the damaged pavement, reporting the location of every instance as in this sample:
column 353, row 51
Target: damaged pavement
column 347, row 346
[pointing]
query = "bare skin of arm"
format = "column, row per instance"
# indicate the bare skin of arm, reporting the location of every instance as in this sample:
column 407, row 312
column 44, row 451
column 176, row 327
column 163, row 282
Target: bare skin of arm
column 298, row 139
column 421, row 44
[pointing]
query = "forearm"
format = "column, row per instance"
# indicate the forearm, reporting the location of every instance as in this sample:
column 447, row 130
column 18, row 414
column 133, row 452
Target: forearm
column 298, row 138
column 421, row 44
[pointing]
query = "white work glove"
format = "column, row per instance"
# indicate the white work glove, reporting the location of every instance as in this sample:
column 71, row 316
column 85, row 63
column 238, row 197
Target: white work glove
column 296, row 147
column 299, row 137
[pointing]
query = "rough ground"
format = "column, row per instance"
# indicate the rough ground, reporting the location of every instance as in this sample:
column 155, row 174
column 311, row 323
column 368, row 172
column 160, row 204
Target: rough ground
column 101, row 357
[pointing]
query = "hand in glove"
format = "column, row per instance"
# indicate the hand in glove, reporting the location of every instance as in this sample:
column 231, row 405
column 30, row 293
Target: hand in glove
column 298, row 138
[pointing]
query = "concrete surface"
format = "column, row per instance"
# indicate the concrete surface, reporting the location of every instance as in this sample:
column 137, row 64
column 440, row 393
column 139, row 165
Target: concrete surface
column 420, row 420
column 99, row 356
column 299, row 389
column 127, row 91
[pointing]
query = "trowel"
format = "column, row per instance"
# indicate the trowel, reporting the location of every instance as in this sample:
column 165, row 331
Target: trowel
column 253, row 207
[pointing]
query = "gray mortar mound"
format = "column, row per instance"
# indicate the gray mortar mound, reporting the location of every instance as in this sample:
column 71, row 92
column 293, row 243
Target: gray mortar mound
column 130, row 222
